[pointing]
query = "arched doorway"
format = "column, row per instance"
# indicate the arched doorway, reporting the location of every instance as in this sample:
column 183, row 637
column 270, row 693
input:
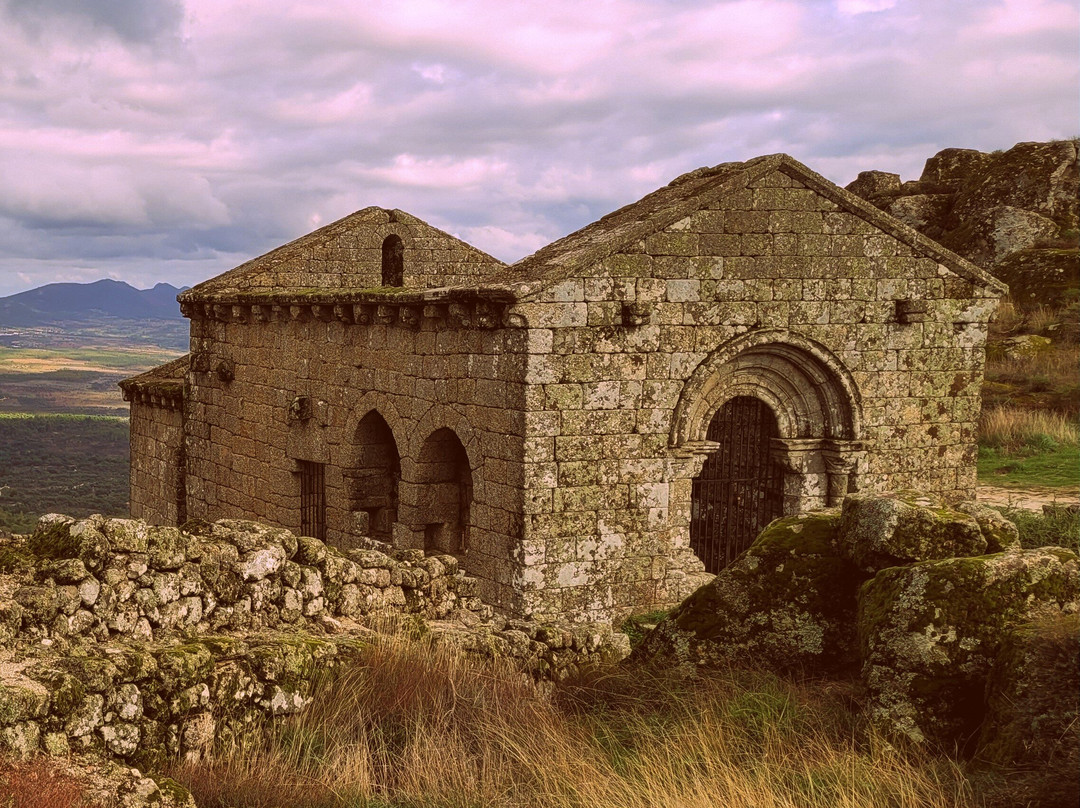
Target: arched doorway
column 740, row 488
column 445, row 494
column 373, row 482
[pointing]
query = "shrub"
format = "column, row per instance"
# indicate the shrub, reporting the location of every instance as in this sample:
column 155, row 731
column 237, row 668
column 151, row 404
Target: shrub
column 1056, row 526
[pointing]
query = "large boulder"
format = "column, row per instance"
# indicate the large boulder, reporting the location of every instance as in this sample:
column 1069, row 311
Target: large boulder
column 787, row 603
column 1037, row 177
column 929, row 634
column 1032, row 726
column 988, row 236
column 887, row 530
column 1041, row 277
column 954, row 168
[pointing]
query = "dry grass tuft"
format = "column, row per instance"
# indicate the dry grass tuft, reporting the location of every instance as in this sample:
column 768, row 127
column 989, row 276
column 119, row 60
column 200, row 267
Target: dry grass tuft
column 1013, row 428
column 38, row 784
column 422, row 725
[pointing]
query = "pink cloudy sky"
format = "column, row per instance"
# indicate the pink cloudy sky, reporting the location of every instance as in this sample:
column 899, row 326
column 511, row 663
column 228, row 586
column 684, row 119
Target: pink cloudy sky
column 169, row 140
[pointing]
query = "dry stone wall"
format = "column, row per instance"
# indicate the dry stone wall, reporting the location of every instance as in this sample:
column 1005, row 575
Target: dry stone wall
column 103, row 579
column 140, row 641
column 774, row 291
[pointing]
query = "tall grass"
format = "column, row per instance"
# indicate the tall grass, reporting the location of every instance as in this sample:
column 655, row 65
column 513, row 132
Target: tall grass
column 414, row 724
column 1013, row 428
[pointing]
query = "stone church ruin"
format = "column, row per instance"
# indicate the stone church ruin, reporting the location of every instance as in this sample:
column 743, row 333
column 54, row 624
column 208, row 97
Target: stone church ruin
column 591, row 429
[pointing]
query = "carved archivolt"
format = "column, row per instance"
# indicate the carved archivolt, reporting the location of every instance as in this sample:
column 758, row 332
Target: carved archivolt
column 811, row 392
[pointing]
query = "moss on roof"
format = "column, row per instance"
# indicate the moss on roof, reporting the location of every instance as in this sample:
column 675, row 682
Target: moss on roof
column 167, row 379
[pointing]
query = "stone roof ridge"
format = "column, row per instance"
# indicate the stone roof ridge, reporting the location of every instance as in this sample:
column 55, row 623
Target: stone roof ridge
column 631, row 223
column 691, row 191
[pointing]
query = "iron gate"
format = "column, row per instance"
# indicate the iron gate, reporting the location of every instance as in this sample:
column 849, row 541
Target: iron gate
column 740, row 488
column 312, row 499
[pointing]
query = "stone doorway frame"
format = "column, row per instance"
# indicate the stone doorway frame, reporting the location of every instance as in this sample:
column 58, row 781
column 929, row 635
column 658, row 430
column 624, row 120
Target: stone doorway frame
column 816, row 402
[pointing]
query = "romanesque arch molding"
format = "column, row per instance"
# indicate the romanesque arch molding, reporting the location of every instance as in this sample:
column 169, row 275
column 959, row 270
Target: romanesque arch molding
column 809, row 389
column 813, row 397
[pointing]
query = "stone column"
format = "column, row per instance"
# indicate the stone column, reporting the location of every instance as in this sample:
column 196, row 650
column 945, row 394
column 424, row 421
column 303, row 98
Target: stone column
column 798, row 458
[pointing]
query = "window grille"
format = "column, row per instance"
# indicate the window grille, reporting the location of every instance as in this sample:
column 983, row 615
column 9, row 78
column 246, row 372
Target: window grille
column 313, row 499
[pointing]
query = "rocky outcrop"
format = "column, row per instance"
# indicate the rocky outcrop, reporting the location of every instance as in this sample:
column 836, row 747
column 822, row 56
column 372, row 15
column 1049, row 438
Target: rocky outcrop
column 930, row 632
column 914, row 595
column 989, row 207
column 1033, row 715
column 1040, row 277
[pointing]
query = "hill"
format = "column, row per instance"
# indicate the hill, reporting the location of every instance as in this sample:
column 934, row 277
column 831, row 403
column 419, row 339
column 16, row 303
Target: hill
column 64, row 303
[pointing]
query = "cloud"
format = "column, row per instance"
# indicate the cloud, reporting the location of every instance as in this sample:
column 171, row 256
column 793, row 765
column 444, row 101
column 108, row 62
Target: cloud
column 131, row 20
column 149, row 137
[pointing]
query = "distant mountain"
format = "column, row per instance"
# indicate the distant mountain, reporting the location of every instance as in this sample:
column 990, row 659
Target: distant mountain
column 64, row 303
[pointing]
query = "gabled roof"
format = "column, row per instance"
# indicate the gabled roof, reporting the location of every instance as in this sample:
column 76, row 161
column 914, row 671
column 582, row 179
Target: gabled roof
column 257, row 270
column 622, row 228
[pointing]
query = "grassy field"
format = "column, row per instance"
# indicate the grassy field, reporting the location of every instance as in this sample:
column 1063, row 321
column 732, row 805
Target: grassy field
column 69, row 379
column 1020, row 447
column 1028, row 433
column 65, row 463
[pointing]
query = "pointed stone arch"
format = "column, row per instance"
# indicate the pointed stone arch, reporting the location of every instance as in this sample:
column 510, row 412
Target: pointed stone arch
column 373, row 476
column 445, row 486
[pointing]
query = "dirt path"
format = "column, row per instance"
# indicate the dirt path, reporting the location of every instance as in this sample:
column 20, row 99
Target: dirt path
column 1031, row 499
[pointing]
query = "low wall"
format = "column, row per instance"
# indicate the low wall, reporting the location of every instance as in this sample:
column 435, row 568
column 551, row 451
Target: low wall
column 123, row 578
column 141, row 642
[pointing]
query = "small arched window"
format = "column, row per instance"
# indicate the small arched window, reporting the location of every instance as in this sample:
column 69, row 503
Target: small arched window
column 393, row 261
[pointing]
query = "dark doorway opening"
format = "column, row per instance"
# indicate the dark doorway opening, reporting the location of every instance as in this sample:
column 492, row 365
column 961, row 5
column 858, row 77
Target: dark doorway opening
column 312, row 499
column 446, row 495
column 740, row 488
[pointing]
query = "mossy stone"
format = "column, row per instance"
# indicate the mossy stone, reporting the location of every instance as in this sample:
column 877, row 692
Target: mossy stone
column 182, row 666
column 787, row 603
column 929, row 634
column 902, row 528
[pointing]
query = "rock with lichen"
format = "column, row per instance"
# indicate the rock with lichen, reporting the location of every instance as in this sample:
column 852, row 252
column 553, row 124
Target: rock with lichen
column 988, row 206
column 878, row 531
column 929, row 634
column 787, row 603
column 1032, row 725
column 999, row 531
